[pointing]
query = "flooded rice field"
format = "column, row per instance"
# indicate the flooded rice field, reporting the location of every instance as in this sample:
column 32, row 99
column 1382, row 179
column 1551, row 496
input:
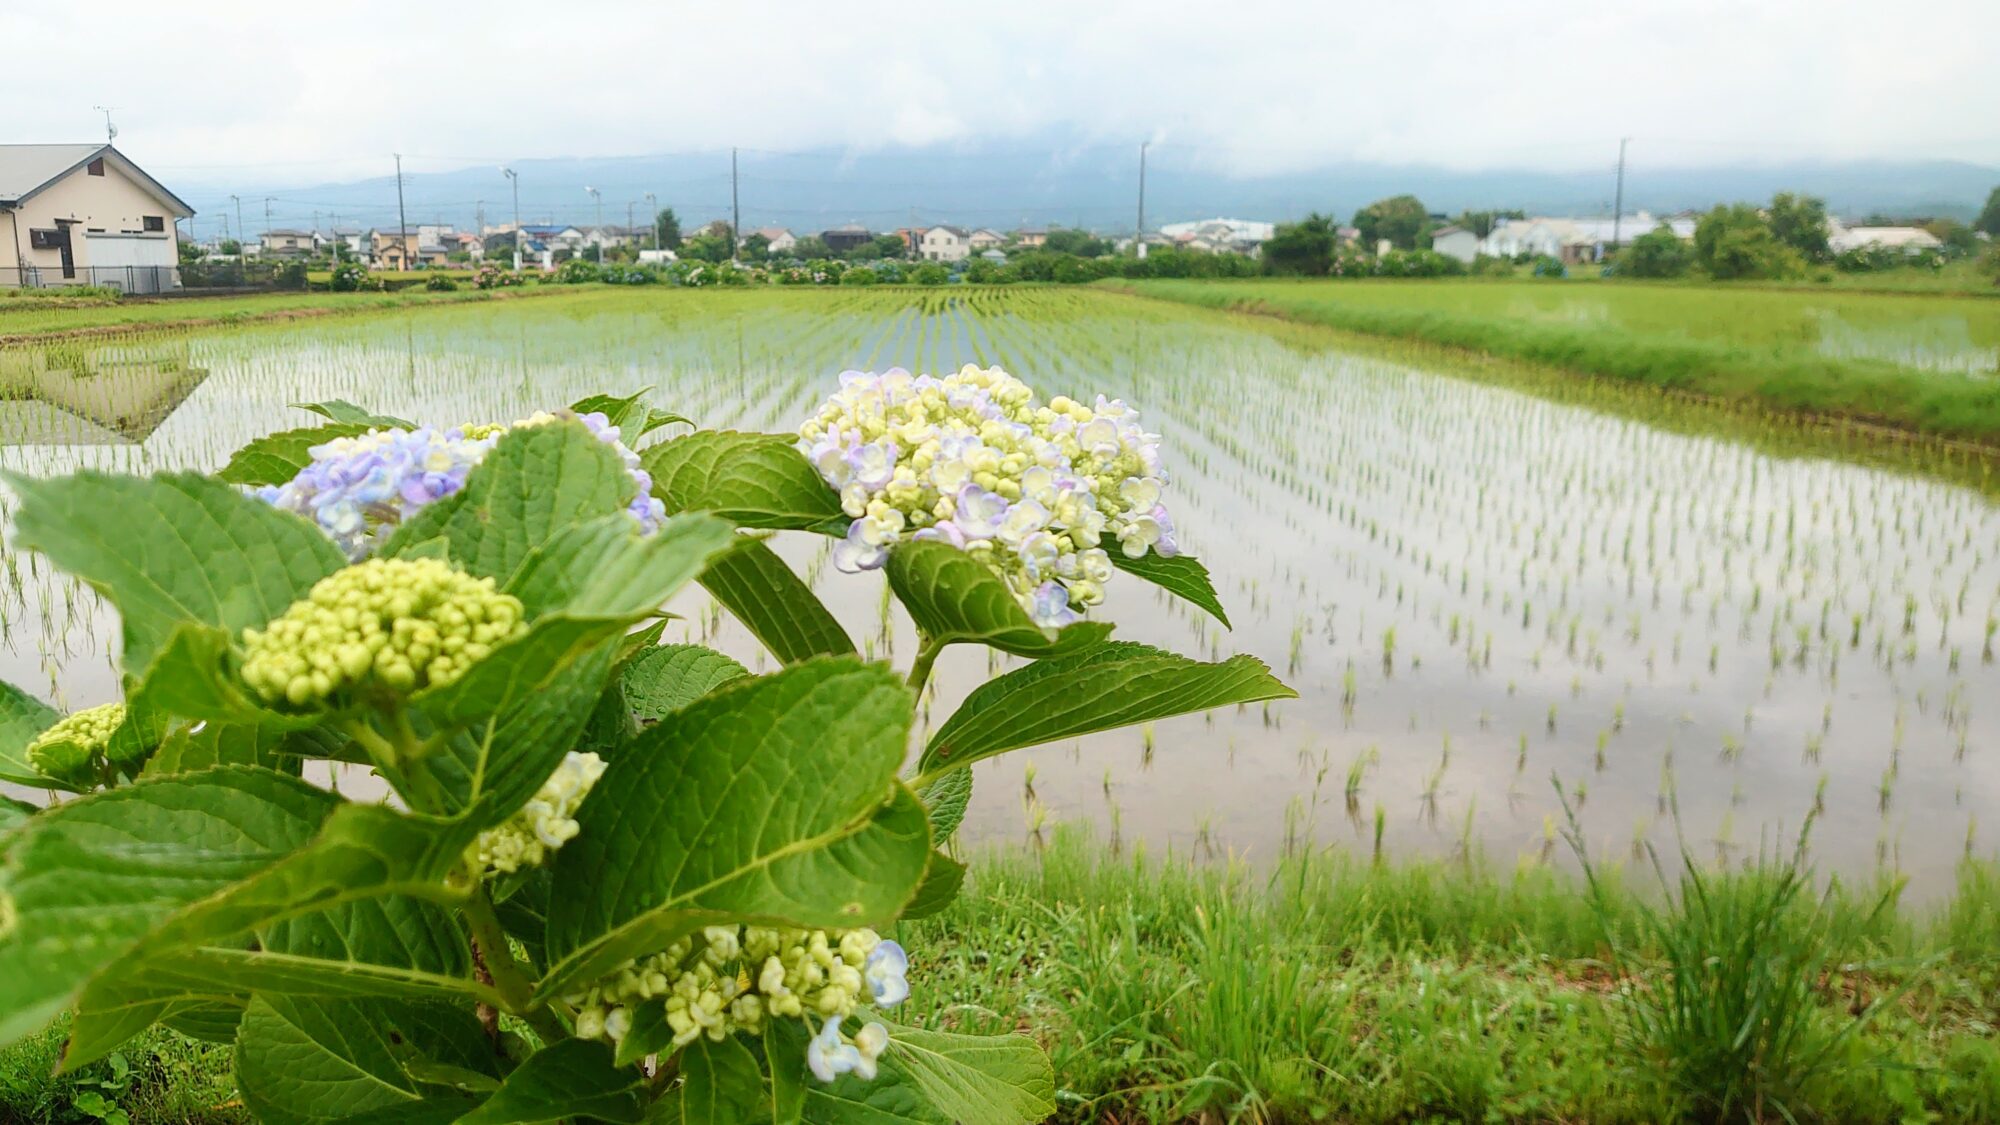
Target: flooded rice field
column 1475, row 590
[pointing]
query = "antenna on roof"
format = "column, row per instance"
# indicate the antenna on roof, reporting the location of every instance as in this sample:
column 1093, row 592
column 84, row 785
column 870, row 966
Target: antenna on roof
column 110, row 130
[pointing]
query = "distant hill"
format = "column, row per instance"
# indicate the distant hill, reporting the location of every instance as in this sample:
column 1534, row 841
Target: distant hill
column 1088, row 185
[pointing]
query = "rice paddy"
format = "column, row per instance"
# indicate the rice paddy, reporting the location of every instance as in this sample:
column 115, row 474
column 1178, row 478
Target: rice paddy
column 1704, row 623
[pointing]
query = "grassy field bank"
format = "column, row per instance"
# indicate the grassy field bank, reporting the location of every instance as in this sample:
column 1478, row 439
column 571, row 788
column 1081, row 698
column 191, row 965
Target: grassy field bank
column 1916, row 363
column 27, row 320
column 1328, row 988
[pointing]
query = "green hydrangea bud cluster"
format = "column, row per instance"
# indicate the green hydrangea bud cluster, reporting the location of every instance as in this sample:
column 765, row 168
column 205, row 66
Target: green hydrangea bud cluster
column 545, row 823
column 71, row 749
column 737, row 978
column 398, row 625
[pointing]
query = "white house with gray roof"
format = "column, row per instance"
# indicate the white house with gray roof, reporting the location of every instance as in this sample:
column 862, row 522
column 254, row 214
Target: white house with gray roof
column 85, row 215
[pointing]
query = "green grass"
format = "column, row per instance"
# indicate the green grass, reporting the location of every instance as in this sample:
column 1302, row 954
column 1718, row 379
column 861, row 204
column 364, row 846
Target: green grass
column 1329, row 988
column 28, row 318
column 1874, row 358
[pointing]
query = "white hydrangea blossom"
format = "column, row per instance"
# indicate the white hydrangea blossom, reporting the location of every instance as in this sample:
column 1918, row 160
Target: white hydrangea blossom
column 734, row 978
column 1040, row 492
column 545, row 823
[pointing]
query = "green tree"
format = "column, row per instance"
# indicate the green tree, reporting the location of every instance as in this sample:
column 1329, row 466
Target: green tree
column 757, row 247
column 1401, row 219
column 1989, row 216
column 706, row 247
column 1657, row 253
column 1733, row 241
column 1799, row 221
column 1481, row 223
column 1304, row 247
column 810, row 247
column 667, row 226
column 884, row 246
column 1959, row 240
column 1081, row 243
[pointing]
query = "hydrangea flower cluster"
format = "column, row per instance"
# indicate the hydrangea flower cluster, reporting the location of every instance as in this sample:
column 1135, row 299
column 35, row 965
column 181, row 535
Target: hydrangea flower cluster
column 545, row 823
column 972, row 460
column 734, row 978
column 400, row 625
column 73, row 744
column 358, row 489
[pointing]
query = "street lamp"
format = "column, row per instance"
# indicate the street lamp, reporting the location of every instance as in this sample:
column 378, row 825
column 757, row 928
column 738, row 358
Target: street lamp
column 653, row 214
column 516, row 178
column 599, row 197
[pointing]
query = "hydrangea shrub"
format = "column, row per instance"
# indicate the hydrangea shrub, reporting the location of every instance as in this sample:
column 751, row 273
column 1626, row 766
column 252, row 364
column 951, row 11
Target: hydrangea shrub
column 618, row 880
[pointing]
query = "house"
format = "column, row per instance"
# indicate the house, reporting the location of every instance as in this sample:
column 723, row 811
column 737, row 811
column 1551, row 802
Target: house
column 355, row 240
column 394, row 250
column 1030, row 238
column 1220, row 235
column 844, row 238
column 86, row 215
column 944, row 244
column 1455, row 242
column 554, row 236
column 1574, row 240
column 463, row 242
column 1907, row 240
column 609, row 235
column 985, row 239
column 284, row 243
column 777, row 240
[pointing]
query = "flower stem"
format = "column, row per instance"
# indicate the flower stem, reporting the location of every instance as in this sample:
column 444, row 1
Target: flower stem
column 927, row 654
column 516, row 993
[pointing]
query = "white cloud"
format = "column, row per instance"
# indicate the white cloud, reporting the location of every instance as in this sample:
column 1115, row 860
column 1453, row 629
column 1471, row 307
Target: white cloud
column 293, row 92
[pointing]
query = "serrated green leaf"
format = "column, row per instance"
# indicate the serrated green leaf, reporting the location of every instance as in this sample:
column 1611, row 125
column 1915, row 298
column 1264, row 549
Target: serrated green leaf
column 22, row 717
column 340, row 410
column 633, row 417
column 995, row 1079
column 666, row 678
column 535, row 483
column 173, row 550
column 275, row 746
column 722, row 1084
column 778, row 608
column 802, row 821
column 570, row 1079
column 277, row 458
column 303, row 1061
column 945, row 801
column 13, row 814
column 752, row 480
column 942, row 881
column 785, row 1058
column 1115, row 684
column 953, row 598
column 210, row 1023
column 1182, row 576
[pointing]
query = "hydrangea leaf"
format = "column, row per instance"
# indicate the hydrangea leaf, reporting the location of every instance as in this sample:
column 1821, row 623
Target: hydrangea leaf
column 785, row 1057
column 209, row 1023
column 778, row 608
column 13, row 814
column 941, row 1078
column 633, row 417
column 723, row 1084
column 574, row 1078
column 277, row 458
column 1182, row 576
column 953, row 597
column 181, row 549
column 22, row 717
column 341, row 410
column 945, row 801
column 666, row 678
column 942, row 881
column 1113, row 685
column 752, row 480
column 801, row 820
column 168, row 864
column 306, row 1061
column 535, row 482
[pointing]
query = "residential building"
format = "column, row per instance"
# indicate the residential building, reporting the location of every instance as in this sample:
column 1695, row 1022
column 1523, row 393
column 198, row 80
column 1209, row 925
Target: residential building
column 1220, row 235
column 86, row 215
column 985, row 239
column 1455, row 242
column 778, row 240
column 465, row 242
column 1907, row 240
column 944, row 244
column 355, row 240
column 555, row 236
column 394, row 250
column 285, row 243
column 841, row 239
column 1029, row 238
column 1574, row 240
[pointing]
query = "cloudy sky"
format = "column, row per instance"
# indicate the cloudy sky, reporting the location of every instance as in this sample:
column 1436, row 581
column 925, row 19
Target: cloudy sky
column 291, row 92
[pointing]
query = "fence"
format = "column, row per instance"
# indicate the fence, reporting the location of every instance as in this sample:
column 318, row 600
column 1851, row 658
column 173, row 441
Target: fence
column 129, row 279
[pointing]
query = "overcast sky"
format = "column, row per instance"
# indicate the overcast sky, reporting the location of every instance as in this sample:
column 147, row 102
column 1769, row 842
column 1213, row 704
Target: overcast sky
column 295, row 92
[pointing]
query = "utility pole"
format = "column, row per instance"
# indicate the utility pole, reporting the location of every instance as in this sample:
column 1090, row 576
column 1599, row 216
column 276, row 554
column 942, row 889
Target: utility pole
column 1139, row 234
column 653, row 216
column 239, row 223
column 402, row 216
column 267, row 211
column 735, row 210
column 515, row 177
column 1618, row 205
column 479, row 217
column 598, row 196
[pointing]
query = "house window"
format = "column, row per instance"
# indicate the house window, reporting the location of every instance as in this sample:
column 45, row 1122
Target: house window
column 155, row 224
column 97, row 167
